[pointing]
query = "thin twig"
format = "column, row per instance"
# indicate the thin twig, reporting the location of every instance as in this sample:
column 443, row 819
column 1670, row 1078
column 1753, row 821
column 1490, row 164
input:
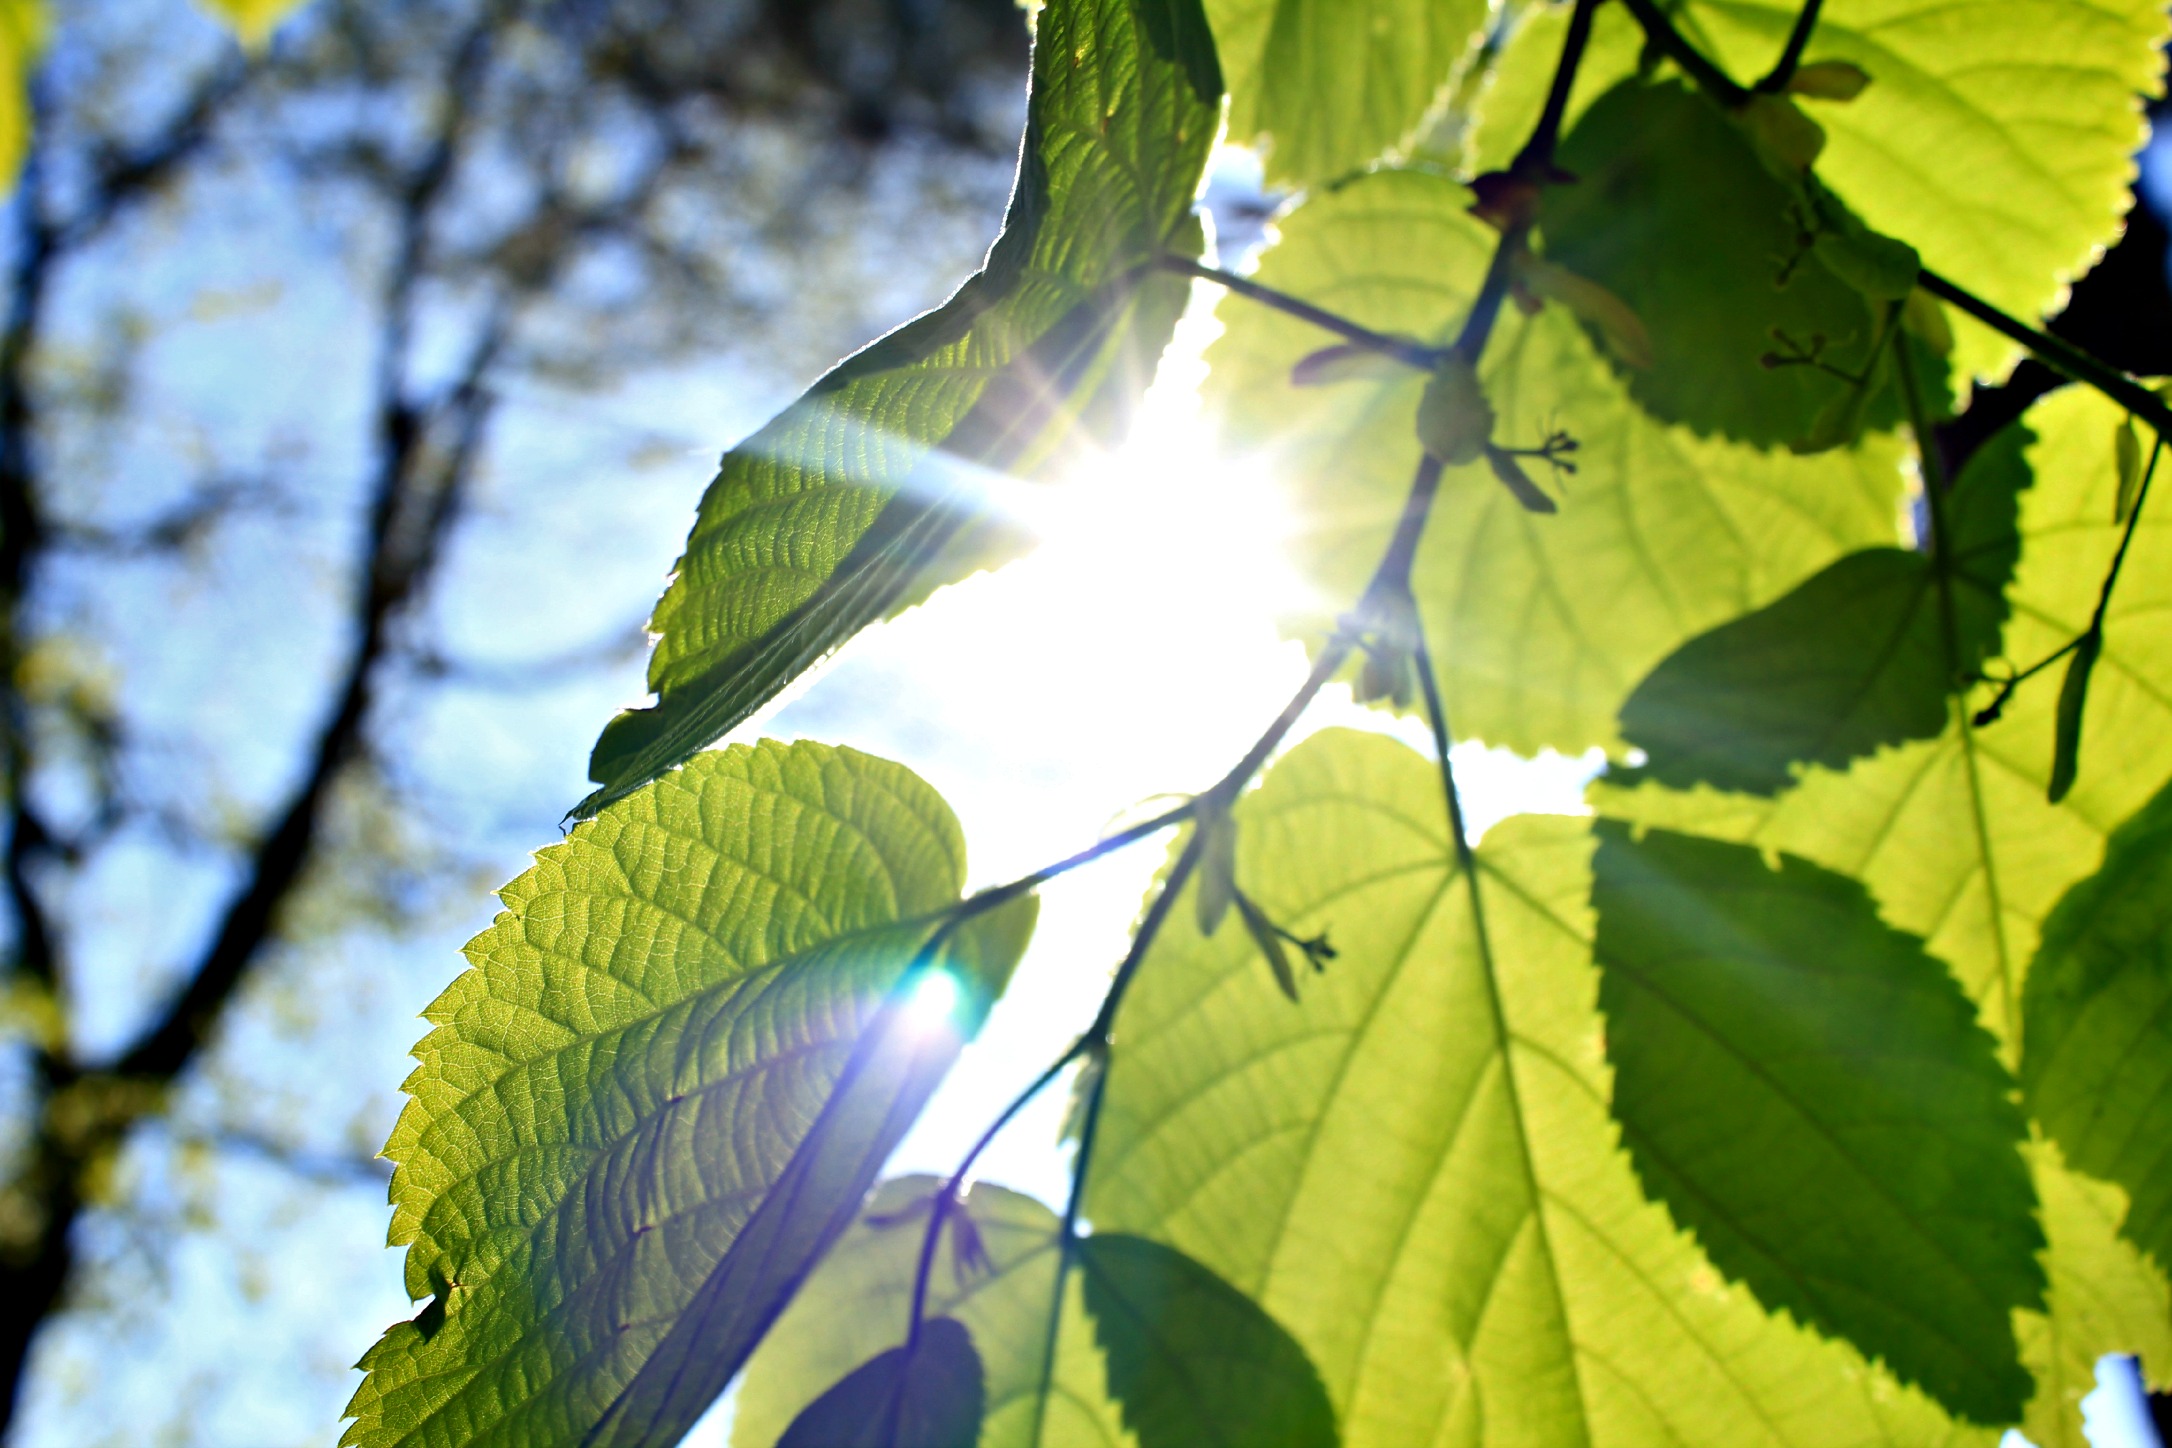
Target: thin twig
column 1659, row 30
column 1409, row 353
column 1783, row 70
column 2060, row 356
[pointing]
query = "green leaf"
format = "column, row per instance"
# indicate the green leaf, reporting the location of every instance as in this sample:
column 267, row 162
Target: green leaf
column 1416, row 1173
column 1997, row 138
column 1674, row 212
column 858, row 1301
column 1327, row 86
column 660, row 1091
column 860, row 499
column 1855, row 659
column 1810, row 1094
column 1192, row 1360
column 1541, row 624
column 253, row 20
column 928, row 1395
column 1957, row 843
column 2097, row 1024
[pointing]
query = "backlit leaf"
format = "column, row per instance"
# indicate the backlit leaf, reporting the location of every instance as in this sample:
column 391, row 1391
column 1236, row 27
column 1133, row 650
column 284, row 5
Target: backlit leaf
column 1810, row 1094
column 857, row 1303
column 660, row 1091
column 861, row 498
column 1416, row 1173
column 1327, row 86
column 1855, row 659
column 928, row 1395
column 1541, row 624
column 2097, row 1024
column 254, row 20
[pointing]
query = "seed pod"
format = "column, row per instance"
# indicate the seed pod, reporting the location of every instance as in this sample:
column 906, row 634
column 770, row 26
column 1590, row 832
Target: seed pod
column 1829, row 80
column 1455, row 422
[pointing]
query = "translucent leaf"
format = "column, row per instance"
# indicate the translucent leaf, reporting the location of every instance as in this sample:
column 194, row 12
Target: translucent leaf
column 1957, row 842
column 660, row 1090
column 1327, row 86
column 1541, row 624
column 857, row 1303
column 1416, row 1173
column 1885, row 1199
column 861, row 498
column 1855, row 659
column 928, row 1395
column 1192, row 1360
column 22, row 39
column 1673, row 211
column 1997, row 137
column 2097, row 1024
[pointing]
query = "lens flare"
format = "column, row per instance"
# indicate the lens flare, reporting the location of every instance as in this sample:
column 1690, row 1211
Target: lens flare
column 933, row 1002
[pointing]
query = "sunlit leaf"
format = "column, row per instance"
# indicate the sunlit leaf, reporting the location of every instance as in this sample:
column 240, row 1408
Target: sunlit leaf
column 660, row 1090
column 2097, row 1024
column 1327, row 86
column 1856, row 658
column 1416, row 1173
column 1541, row 624
column 22, row 39
column 1957, row 843
column 864, row 496
column 927, row 1395
column 1810, row 1094
column 858, row 1301
column 1997, row 138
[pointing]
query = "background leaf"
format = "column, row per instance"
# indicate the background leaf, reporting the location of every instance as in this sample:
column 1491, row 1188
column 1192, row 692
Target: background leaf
column 927, row 1396
column 655, row 1097
column 1673, row 211
column 2097, row 1045
column 862, row 497
column 1855, row 659
column 1192, row 1360
column 1427, row 1194
column 858, row 1299
column 1811, row 1096
column 1328, row 86
column 1542, row 625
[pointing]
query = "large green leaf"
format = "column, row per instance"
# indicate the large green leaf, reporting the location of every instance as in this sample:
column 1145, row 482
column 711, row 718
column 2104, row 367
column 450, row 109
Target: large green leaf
column 1810, row 1094
column 1194, row 1362
column 1675, row 213
column 2097, row 1024
column 1415, row 1171
column 1955, row 839
column 859, row 499
column 1997, row 137
column 1855, row 659
column 926, row 1395
column 1328, row 86
column 660, row 1090
column 1542, row 624
column 857, row 1302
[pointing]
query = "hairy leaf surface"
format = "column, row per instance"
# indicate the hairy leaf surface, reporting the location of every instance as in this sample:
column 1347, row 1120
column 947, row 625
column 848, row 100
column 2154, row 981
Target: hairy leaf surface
column 1327, row 86
column 1810, row 1094
column 659, row 1091
column 928, row 1395
column 1415, row 1171
column 858, row 1301
column 1542, row 624
column 1855, row 659
column 860, row 499
column 2097, row 1024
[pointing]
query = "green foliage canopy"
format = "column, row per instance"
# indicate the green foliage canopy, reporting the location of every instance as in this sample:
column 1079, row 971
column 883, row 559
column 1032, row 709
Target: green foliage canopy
column 1808, row 1093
